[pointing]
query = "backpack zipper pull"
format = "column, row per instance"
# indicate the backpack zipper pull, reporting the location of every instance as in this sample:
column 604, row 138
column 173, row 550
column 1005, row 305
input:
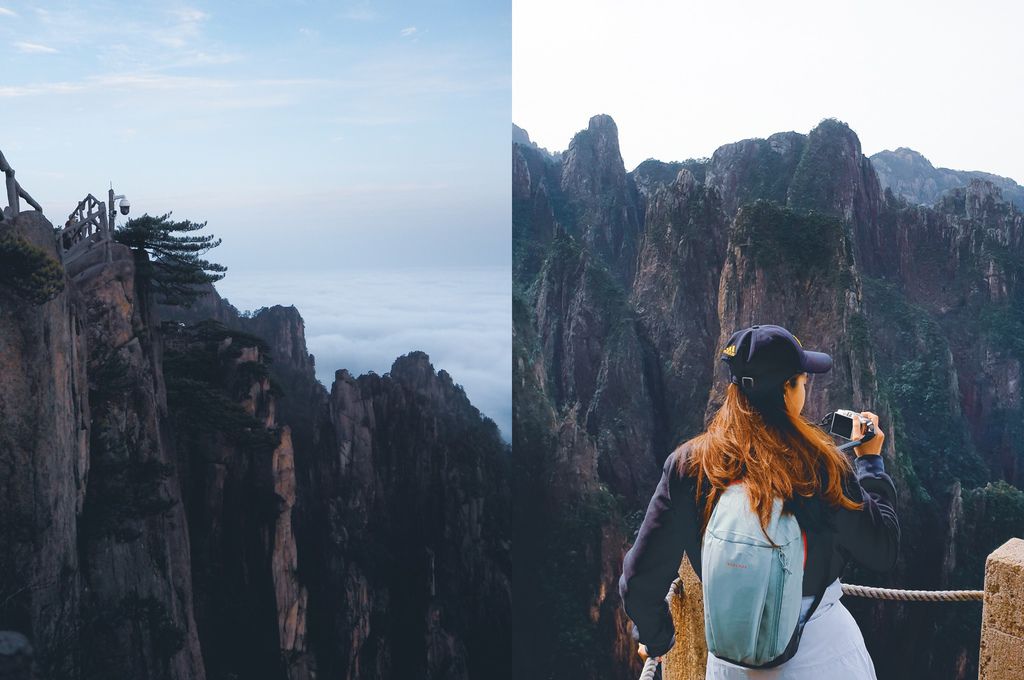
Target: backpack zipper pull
column 784, row 560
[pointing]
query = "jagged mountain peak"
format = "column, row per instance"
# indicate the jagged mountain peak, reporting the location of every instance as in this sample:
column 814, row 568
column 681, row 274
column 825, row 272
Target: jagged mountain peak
column 594, row 152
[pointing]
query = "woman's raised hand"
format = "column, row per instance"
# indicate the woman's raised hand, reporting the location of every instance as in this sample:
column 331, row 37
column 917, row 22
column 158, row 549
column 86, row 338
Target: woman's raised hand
column 872, row 446
column 642, row 651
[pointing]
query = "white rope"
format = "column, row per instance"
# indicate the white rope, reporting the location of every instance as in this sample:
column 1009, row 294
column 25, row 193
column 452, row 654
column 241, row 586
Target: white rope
column 913, row 595
column 650, row 668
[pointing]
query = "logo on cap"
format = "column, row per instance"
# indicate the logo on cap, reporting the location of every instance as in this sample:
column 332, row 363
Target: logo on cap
column 730, row 350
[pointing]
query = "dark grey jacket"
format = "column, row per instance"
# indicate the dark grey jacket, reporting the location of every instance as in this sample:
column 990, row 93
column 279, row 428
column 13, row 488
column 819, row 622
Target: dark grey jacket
column 671, row 527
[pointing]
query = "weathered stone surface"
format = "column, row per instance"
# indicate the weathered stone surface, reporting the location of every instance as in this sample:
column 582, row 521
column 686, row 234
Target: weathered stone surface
column 1004, row 592
column 44, row 460
column 134, row 545
column 688, row 659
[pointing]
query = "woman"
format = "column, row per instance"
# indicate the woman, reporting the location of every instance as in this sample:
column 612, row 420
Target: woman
column 759, row 436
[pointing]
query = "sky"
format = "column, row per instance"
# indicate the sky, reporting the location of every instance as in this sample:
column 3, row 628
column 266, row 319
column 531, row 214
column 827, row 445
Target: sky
column 377, row 131
column 683, row 78
column 353, row 157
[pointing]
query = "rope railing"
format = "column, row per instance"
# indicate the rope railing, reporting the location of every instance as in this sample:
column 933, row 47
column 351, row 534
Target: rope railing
column 650, row 669
column 913, row 595
column 887, row 593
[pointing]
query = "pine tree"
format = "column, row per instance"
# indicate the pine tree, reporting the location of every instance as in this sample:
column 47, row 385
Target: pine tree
column 174, row 266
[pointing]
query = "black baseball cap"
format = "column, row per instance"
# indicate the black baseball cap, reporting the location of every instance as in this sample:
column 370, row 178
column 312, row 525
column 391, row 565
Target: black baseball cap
column 764, row 356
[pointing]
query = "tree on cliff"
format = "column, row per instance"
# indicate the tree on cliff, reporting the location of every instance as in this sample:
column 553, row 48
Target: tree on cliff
column 174, row 267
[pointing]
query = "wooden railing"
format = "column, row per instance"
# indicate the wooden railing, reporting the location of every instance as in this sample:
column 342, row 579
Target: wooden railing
column 87, row 223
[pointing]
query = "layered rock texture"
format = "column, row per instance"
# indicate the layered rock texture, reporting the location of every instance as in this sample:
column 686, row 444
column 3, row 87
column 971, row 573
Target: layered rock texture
column 626, row 284
column 182, row 499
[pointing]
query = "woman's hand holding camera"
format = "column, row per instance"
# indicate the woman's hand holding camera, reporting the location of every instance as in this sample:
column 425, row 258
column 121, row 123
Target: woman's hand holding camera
column 874, row 445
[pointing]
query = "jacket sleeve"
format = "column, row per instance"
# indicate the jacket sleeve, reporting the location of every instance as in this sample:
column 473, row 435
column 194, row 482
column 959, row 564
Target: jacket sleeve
column 871, row 536
column 651, row 565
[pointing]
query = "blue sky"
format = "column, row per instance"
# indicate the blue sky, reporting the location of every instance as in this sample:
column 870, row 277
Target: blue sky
column 376, row 131
column 329, row 144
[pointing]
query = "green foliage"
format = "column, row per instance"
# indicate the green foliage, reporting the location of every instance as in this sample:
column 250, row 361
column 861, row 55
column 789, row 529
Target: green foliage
column 818, row 175
column 915, row 378
column 205, row 385
column 801, row 244
column 993, row 514
column 123, row 492
column 765, row 176
column 1004, row 324
column 175, row 267
column 572, row 572
column 28, row 271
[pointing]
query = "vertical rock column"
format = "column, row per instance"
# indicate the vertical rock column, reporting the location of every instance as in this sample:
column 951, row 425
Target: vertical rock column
column 133, row 543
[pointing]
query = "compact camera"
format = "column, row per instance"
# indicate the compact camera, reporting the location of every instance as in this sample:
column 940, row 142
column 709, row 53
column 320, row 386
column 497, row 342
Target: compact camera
column 840, row 424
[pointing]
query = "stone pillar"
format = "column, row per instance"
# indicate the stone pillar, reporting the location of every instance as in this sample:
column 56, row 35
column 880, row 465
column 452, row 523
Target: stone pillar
column 1002, row 618
column 688, row 657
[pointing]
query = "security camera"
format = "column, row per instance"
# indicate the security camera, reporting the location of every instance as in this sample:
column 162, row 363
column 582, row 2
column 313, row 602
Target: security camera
column 124, row 205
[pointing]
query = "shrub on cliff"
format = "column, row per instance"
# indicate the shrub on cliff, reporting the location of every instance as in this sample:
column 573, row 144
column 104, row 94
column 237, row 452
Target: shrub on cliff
column 28, row 271
column 174, row 266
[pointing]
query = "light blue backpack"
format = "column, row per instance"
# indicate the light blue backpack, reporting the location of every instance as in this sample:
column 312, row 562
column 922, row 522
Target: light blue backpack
column 752, row 590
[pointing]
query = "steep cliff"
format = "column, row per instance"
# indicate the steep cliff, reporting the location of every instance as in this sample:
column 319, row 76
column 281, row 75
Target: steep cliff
column 413, row 556
column 919, row 308
column 44, row 459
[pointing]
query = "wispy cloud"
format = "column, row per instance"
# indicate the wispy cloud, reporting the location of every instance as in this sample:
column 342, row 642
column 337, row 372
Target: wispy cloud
column 34, row 48
column 358, row 11
column 150, row 82
column 406, row 32
column 185, row 27
column 4, row 12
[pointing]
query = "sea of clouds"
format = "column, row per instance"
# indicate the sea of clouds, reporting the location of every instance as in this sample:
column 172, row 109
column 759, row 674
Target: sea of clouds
column 363, row 319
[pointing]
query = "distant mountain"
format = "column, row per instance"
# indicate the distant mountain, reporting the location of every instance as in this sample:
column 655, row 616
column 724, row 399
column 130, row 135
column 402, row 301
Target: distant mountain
column 521, row 136
column 911, row 176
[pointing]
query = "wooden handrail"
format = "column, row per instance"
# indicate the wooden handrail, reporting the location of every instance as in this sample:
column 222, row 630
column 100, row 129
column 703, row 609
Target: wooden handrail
column 14, row 190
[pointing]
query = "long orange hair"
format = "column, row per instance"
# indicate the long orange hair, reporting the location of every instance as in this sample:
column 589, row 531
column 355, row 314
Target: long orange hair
column 776, row 455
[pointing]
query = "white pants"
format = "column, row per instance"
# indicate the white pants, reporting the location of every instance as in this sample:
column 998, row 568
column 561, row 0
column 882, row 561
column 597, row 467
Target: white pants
column 831, row 647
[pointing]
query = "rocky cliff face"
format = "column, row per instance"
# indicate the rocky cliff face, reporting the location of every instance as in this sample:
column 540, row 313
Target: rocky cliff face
column 44, row 457
column 916, row 305
column 182, row 498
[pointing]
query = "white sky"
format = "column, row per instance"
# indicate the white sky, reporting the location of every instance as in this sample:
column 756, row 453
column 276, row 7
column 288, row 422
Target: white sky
column 682, row 78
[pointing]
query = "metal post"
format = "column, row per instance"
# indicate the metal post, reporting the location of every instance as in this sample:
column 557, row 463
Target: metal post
column 110, row 208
